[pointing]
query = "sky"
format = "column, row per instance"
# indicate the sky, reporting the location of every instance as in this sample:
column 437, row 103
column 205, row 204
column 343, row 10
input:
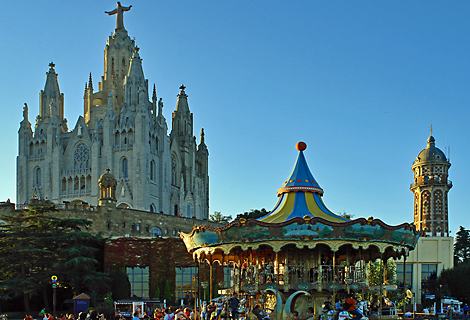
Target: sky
column 360, row 82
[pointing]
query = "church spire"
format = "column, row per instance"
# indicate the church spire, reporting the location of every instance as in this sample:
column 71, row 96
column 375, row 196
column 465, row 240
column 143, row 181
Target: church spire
column 51, row 93
column 182, row 103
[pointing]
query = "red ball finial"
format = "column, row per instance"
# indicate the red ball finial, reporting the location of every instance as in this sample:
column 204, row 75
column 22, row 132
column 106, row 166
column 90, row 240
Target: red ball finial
column 301, row 146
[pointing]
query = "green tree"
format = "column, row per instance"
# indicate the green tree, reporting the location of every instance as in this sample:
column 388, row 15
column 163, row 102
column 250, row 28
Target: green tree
column 456, row 281
column 219, row 218
column 167, row 293
column 35, row 246
column 345, row 215
column 252, row 214
column 462, row 246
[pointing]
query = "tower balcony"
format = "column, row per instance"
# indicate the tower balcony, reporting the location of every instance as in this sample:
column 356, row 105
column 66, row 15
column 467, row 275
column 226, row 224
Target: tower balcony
column 431, row 182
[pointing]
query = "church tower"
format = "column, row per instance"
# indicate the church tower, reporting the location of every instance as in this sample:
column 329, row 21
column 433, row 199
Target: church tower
column 121, row 129
column 430, row 189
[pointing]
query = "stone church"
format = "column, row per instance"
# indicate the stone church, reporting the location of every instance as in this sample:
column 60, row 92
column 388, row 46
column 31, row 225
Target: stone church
column 121, row 129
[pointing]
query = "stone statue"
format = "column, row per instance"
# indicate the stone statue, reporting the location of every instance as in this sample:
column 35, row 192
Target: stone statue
column 119, row 12
column 110, row 99
column 25, row 111
column 53, row 107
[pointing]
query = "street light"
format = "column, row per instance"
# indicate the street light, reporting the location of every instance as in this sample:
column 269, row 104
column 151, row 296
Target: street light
column 204, row 285
column 54, row 286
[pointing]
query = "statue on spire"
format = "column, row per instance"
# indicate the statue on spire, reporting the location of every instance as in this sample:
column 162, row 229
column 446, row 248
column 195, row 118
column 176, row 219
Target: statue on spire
column 119, row 12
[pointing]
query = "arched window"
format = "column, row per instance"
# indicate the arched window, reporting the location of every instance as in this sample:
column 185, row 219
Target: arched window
column 176, row 210
column 37, row 177
column 173, row 171
column 156, row 232
column 124, row 168
column 112, row 65
column 152, row 208
column 188, row 211
column 127, row 121
column 123, row 68
column 152, row 170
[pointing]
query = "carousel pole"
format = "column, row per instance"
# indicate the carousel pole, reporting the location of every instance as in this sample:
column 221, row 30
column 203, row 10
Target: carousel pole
column 334, row 276
column 381, row 264
column 210, row 281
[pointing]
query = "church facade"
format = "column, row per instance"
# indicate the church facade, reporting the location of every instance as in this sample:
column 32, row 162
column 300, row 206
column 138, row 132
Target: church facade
column 122, row 129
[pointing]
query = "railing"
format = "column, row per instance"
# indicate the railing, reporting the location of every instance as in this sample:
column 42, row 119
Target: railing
column 431, row 182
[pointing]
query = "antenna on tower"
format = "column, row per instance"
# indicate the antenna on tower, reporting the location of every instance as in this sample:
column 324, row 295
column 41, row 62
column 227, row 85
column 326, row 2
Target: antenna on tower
column 430, row 129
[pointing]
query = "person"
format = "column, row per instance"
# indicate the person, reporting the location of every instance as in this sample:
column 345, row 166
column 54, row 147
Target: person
column 339, row 305
column 42, row 313
column 82, row 316
column 295, row 315
column 327, row 305
column 211, row 308
column 169, row 314
column 204, row 311
column 350, row 306
column 234, row 305
column 257, row 312
column 220, row 305
column 310, row 314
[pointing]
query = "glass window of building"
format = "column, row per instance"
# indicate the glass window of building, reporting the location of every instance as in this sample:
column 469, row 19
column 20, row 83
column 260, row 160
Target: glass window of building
column 404, row 277
column 139, row 280
column 186, row 282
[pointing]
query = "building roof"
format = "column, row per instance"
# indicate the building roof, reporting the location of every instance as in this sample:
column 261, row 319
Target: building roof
column 431, row 153
column 300, row 195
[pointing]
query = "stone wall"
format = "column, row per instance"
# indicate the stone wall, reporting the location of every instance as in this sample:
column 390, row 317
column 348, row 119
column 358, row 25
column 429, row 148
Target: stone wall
column 119, row 222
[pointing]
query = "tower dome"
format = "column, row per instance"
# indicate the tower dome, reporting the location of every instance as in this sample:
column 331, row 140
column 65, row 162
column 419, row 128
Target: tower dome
column 430, row 189
column 431, row 153
column 107, row 184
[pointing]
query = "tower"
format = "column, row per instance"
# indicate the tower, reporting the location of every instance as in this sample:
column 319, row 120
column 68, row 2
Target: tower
column 430, row 189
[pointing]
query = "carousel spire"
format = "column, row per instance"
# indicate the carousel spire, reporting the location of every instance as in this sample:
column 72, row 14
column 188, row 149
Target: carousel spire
column 300, row 195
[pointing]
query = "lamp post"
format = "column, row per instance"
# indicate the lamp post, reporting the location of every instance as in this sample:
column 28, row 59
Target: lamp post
column 54, row 287
column 204, row 286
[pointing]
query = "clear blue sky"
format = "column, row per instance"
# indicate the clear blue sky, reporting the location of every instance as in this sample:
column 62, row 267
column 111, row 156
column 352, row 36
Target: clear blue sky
column 359, row 81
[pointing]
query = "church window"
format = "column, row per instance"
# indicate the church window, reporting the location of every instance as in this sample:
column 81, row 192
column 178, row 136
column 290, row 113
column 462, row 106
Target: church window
column 37, row 177
column 156, row 232
column 147, row 229
column 124, row 168
column 176, row 210
column 133, row 227
column 166, row 230
column 112, row 65
column 81, row 156
column 174, row 232
column 173, row 171
column 138, row 227
column 123, row 68
column 156, row 143
column 152, row 208
column 152, row 170
column 127, row 121
column 124, row 225
column 188, row 211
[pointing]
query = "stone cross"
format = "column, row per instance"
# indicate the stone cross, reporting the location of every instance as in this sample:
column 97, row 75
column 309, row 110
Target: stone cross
column 119, row 12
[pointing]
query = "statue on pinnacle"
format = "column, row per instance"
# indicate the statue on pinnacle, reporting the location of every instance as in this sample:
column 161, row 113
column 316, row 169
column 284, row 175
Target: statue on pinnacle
column 119, row 12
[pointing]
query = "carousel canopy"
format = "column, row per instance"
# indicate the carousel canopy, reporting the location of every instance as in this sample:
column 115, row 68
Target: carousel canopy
column 300, row 196
column 300, row 218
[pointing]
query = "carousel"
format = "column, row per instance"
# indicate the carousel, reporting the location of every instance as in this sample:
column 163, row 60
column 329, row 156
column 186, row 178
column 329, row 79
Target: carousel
column 300, row 253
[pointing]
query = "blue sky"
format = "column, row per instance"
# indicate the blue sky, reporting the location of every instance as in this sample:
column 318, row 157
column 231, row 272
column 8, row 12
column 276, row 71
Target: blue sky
column 359, row 81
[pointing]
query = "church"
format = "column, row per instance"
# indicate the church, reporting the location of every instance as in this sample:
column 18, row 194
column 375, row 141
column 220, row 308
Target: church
column 122, row 130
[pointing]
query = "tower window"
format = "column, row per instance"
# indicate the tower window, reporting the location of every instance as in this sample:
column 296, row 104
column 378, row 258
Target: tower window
column 37, row 176
column 152, row 170
column 124, row 168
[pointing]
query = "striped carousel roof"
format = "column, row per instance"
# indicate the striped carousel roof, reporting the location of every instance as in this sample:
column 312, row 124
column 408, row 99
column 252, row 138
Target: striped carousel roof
column 300, row 196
